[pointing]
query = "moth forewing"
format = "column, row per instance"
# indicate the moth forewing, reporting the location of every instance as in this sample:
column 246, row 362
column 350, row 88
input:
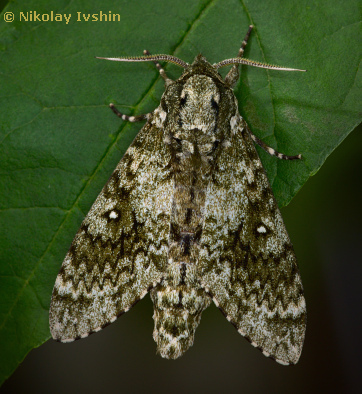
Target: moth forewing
column 117, row 254
column 189, row 215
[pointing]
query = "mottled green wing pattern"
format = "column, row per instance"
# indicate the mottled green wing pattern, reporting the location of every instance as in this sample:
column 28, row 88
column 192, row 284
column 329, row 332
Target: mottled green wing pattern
column 247, row 263
column 120, row 250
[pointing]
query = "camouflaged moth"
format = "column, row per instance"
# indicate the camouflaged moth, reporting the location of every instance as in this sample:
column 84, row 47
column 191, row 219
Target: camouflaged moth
column 189, row 216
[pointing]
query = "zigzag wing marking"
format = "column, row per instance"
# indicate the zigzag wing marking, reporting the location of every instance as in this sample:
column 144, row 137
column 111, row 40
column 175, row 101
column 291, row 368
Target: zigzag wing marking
column 247, row 262
column 120, row 250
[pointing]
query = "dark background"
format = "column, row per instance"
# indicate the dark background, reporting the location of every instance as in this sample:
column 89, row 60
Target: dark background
column 324, row 223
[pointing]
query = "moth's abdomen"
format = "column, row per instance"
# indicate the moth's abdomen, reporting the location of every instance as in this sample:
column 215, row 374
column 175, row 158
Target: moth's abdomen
column 177, row 311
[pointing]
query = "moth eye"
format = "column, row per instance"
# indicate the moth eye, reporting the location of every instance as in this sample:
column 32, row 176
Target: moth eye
column 183, row 100
column 164, row 106
column 177, row 144
column 214, row 104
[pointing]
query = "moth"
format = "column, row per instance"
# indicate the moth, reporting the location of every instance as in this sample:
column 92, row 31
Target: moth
column 189, row 216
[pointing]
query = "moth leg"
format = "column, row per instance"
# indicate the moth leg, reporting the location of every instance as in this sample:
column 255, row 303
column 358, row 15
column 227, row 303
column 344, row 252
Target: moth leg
column 160, row 69
column 272, row 151
column 137, row 118
column 233, row 75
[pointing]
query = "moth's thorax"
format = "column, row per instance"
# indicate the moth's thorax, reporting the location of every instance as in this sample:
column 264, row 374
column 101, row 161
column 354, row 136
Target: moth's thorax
column 193, row 137
column 198, row 109
column 195, row 115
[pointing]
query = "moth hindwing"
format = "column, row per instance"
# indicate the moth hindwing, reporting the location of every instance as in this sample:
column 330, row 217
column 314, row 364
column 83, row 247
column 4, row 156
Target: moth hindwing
column 189, row 215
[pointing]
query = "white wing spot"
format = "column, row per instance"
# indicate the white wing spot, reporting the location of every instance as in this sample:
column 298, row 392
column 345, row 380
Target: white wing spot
column 113, row 215
column 261, row 229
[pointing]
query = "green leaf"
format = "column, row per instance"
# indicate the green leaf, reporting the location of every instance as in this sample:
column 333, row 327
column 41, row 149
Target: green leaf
column 59, row 142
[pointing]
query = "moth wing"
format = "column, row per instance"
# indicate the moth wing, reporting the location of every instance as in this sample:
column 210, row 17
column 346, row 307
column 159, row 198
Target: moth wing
column 247, row 262
column 121, row 248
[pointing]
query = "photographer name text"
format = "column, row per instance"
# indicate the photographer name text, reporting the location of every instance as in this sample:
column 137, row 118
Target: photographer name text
column 34, row 16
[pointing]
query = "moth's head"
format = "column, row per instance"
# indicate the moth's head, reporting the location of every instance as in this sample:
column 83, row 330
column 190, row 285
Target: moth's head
column 199, row 59
column 201, row 66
